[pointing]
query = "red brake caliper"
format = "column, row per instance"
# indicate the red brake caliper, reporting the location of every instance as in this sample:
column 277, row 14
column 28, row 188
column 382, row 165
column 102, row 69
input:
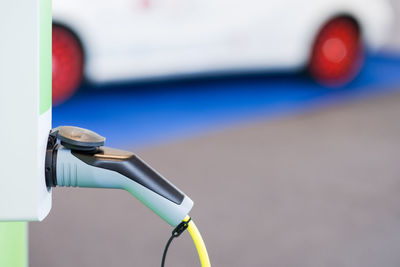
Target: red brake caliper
column 338, row 53
column 67, row 64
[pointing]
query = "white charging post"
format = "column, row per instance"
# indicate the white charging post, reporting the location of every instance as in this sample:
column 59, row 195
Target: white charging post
column 25, row 121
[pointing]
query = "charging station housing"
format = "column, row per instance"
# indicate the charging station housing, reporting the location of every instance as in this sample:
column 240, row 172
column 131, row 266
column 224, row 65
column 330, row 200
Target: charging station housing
column 25, row 108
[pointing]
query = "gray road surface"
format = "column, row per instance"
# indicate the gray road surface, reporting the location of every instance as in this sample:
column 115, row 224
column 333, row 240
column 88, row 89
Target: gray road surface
column 317, row 189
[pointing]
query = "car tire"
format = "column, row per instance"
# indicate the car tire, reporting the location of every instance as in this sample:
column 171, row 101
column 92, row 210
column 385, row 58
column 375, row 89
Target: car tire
column 338, row 53
column 68, row 60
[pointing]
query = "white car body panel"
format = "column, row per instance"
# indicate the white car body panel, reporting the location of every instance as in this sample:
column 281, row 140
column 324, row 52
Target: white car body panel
column 143, row 39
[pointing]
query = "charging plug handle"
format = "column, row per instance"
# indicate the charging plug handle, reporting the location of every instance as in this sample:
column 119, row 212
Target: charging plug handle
column 131, row 166
column 79, row 162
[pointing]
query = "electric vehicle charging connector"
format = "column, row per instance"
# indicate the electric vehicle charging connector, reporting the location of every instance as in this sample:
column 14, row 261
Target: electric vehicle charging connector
column 80, row 159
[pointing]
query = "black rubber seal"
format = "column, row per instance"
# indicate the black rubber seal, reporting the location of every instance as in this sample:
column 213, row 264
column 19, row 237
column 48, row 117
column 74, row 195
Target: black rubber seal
column 50, row 170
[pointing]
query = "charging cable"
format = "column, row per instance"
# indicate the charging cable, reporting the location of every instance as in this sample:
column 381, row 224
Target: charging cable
column 188, row 224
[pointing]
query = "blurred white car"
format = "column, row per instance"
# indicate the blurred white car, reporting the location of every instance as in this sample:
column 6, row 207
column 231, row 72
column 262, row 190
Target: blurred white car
column 106, row 41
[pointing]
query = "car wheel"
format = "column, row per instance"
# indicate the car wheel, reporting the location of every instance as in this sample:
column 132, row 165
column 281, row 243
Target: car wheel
column 338, row 53
column 67, row 64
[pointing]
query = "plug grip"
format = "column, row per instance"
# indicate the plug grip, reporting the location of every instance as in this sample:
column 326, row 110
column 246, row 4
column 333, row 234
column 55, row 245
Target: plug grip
column 111, row 168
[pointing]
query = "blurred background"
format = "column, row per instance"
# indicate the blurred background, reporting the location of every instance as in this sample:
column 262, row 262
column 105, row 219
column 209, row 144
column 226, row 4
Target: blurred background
column 280, row 119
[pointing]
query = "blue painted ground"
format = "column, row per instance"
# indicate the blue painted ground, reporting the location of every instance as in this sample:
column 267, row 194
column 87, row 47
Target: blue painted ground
column 136, row 115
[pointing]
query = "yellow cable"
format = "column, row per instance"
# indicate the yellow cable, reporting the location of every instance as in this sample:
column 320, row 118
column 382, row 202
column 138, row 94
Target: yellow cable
column 199, row 243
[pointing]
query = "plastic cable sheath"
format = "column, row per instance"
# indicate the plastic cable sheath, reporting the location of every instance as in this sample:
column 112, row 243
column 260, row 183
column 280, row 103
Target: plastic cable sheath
column 199, row 243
